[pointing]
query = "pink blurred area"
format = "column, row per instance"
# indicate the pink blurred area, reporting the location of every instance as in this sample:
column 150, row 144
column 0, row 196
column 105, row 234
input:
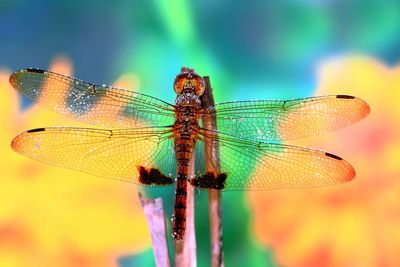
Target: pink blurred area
column 51, row 216
column 353, row 224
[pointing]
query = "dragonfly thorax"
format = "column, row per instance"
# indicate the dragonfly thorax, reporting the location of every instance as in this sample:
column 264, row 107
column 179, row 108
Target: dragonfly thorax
column 188, row 108
column 188, row 100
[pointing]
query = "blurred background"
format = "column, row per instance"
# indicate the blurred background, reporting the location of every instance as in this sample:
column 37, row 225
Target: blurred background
column 254, row 50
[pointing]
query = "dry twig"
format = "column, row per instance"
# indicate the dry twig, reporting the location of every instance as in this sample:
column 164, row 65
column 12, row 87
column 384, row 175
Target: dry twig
column 154, row 212
column 214, row 196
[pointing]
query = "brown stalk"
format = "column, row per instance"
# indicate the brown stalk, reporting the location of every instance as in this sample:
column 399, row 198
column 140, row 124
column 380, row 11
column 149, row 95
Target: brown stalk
column 154, row 212
column 212, row 165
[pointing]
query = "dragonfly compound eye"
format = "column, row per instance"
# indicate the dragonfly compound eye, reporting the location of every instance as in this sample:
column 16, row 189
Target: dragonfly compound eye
column 200, row 86
column 188, row 81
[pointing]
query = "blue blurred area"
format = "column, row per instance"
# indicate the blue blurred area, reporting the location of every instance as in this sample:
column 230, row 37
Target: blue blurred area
column 266, row 48
column 251, row 50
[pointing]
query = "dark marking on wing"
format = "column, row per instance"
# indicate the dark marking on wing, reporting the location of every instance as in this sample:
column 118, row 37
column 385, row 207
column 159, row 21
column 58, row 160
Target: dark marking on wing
column 36, row 130
column 209, row 181
column 153, row 176
column 333, row 156
column 345, row 96
column 35, row 70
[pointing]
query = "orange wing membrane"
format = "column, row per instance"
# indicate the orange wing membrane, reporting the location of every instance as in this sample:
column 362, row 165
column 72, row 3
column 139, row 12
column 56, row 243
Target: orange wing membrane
column 114, row 154
column 251, row 165
column 94, row 104
column 277, row 120
column 151, row 142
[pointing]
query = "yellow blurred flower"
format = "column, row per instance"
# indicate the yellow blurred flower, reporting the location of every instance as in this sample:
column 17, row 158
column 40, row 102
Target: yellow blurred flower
column 354, row 224
column 56, row 217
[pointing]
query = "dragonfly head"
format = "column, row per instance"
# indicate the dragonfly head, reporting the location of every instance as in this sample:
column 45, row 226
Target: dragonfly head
column 188, row 81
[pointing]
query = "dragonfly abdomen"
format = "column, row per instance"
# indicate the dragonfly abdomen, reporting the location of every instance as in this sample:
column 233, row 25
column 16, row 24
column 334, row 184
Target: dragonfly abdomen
column 186, row 128
column 184, row 145
column 179, row 217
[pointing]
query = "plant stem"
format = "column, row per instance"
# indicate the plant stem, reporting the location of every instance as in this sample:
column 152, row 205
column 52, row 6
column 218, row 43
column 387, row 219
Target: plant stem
column 154, row 212
column 212, row 165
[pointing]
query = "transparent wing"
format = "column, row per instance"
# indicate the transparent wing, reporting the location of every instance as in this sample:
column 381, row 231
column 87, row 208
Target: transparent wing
column 262, row 166
column 276, row 120
column 114, row 154
column 90, row 103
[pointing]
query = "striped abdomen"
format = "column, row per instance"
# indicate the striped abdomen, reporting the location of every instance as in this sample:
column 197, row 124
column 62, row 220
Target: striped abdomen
column 184, row 145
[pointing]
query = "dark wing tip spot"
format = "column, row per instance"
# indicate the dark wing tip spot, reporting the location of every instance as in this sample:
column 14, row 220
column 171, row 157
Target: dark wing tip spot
column 345, row 96
column 36, row 130
column 35, row 70
column 333, row 156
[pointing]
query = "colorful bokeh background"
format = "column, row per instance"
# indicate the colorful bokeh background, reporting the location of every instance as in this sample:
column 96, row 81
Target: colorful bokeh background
column 251, row 50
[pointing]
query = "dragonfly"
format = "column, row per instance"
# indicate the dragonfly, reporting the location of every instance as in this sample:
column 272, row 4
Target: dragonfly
column 147, row 141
